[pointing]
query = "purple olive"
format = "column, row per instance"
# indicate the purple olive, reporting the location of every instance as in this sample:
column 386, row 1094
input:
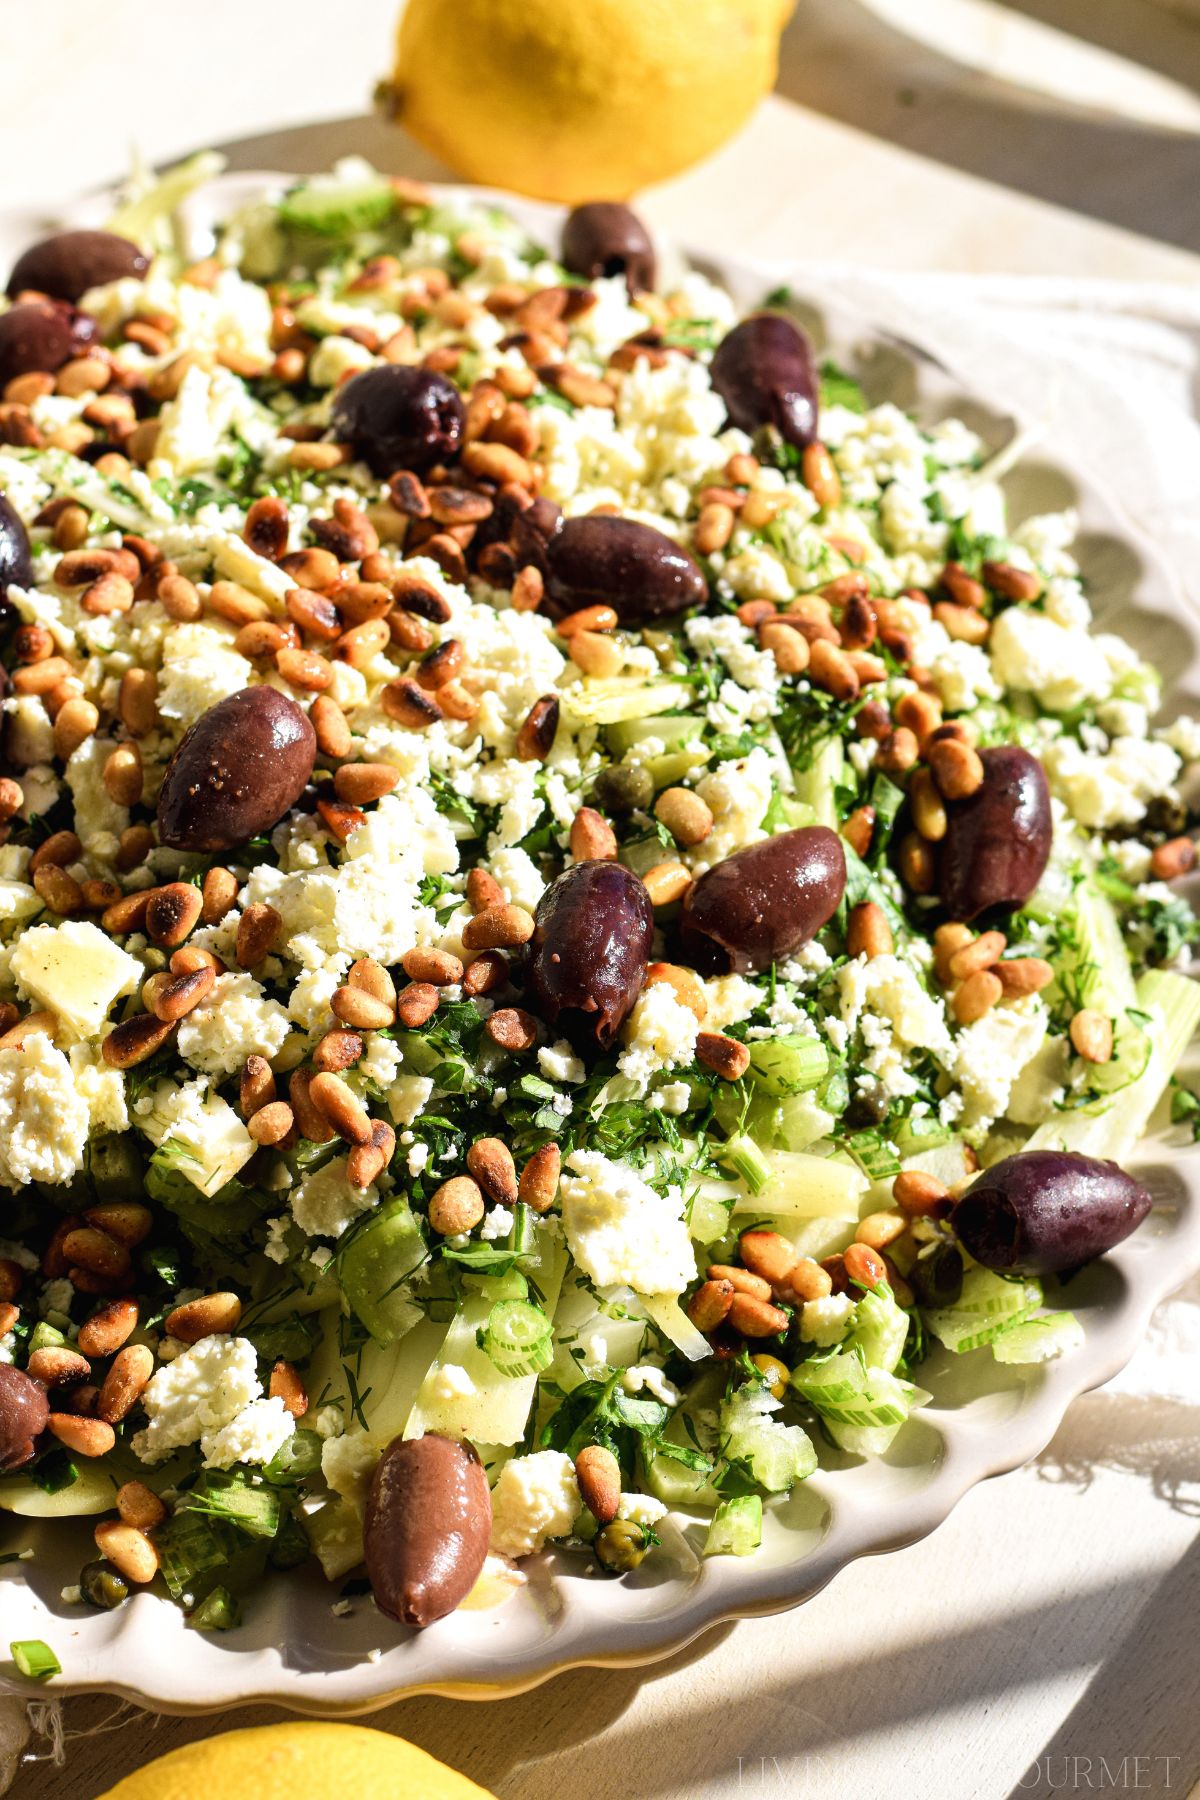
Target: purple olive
column 765, row 902
column 16, row 563
column 638, row 571
column 40, row 336
column 593, row 930
column 997, row 842
column 765, row 372
column 66, row 265
column 426, row 1530
column 1045, row 1210
column 606, row 238
column 398, row 416
column 24, row 1411
column 241, row 767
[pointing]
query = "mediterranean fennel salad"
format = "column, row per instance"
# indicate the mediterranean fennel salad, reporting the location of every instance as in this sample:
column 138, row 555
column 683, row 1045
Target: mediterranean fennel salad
column 574, row 896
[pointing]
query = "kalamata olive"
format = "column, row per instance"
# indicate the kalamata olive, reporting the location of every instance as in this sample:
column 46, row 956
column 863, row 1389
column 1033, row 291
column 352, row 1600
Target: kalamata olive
column 592, row 934
column 621, row 563
column 1045, row 1210
column 24, row 1411
column 427, row 1525
column 41, row 335
column 66, row 265
column 997, row 841
column 767, row 901
column 239, row 769
column 765, row 372
column 605, row 238
column 16, row 563
column 398, row 416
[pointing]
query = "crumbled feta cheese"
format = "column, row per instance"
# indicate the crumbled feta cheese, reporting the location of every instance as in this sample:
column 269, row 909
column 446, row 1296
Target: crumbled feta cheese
column 348, row 1462
column 620, row 1231
column 536, row 1497
column 257, row 1432
column 642, row 1509
column 75, row 970
column 646, row 1375
column 660, row 1033
column 44, row 1120
column 1113, row 787
column 236, row 1020
column 558, row 1062
column 325, row 1201
column 200, row 667
column 1033, row 655
column 207, row 1140
column 990, row 1054
column 197, row 1395
column 451, row 1382
column 497, row 1223
column 826, row 1322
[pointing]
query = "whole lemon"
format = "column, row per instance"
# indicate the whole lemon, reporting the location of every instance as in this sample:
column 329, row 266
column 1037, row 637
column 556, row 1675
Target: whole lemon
column 284, row 1762
column 581, row 99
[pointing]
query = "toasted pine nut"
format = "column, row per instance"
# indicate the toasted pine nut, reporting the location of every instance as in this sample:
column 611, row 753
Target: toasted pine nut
column 809, row 1281
column 592, row 837
column 257, row 934
column 362, row 1011
column 898, row 751
column 528, row 589
column 257, row 1086
column 338, row 1050
column 128, row 1550
column 1024, row 974
column 61, row 892
column 714, row 528
column 962, row 623
column 858, row 829
column 409, row 705
column 139, row 1506
column 863, row 1265
column 435, row 966
column 456, row 1206
column 108, row 1328
column 55, row 1365
column 914, row 860
column 948, row 939
column 77, row 720
column 490, row 1161
column 344, row 1111
column 271, row 1123
column 962, row 588
column 123, row 775
column 535, row 737
column 538, row 1185
column 483, row 891
column 416, row 1004
column 512, row 1029
column 340, row 819
column 286, row 1385
column 181, row 994
column 212, row 1315
column 977, row 996
column 331, row 726
column 743, row 1281
column 788, row 646
column 756, row 1318
column 359, row 784
column 218, row 895
column 723, row 1055
column 172, row 913
column 86, row 1437
column 1012, row 583
column 126, row 1220
column 956, row 768
column 920, row 1195
column 366, row 1162
column 1174, row 858
column 1091, row 1033
column 928, row 808
column 372, row 978
column 868, row 932
column 980, row 953
column 667, row 882
column 16, row 1035
column 596, row 654
column 820, row 476
column 498, row 928
column 767, row 1254
column 879, row 1229
column 920, row 712
column 829, row 668
column 131, row 1369
column 709, row 1305
column 310, row 1120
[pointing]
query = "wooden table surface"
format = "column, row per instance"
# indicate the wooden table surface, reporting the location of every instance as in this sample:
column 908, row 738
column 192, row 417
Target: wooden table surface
column 1050, row 1623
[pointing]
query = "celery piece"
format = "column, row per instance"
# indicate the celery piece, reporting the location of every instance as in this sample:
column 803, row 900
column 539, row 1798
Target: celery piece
column 218, row 1611
column 374, row 1267
column 1038, row 1340
column 623, row 698
column 788, row 1065
column 987, row 1305
column 880, row 1330
column 664, row 1311
column 337, row 208
column 736, row 1528
column 816, row 786
column 146, row 218
column 34, row 1659
column 673, row 730
column 804, row 1187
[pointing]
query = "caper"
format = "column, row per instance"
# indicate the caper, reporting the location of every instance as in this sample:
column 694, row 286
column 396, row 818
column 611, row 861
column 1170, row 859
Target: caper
column 621, row 1546
column 937, row 1278
column 102, row 1585
column 866, row 1110
column 624, row 788
column 1167, row 815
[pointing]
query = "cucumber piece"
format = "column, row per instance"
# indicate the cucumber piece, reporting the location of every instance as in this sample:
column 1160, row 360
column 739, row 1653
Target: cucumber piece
column 789, row 1065
column 777, row 1455
column 987, row 1306
column 816, row 786
column 800, row 1186
column 674, row 1483
column 880, row 1330
column 1038, row 1340
column 374, row 1268
column 736, row 1529
column 623, row 698
column 338, row 209
column 672, row 729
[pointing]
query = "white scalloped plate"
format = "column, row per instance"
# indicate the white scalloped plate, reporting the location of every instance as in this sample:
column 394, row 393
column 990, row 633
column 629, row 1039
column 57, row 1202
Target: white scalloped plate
column 983, row 1419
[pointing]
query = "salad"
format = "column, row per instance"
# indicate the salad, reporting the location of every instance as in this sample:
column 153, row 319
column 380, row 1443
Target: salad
column 575, row 897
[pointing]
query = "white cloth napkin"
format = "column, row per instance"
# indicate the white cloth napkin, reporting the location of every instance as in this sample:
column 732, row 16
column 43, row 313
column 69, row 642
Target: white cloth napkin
column 1114, row 368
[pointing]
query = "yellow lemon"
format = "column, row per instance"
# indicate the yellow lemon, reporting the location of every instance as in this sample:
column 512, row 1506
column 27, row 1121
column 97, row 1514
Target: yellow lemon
column 281, row 1762
column 581, row 99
